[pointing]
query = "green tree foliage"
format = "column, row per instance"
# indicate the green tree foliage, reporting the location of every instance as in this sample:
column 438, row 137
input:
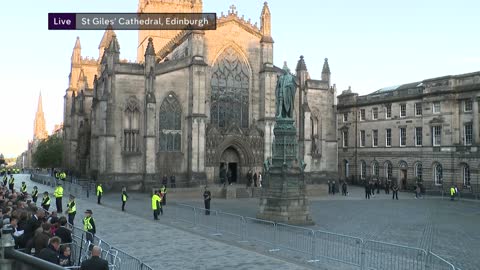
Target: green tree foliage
column 49, row 153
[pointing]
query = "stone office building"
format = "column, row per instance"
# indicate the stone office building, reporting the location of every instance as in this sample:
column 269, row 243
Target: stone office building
column 427, row 130
column 193, row 102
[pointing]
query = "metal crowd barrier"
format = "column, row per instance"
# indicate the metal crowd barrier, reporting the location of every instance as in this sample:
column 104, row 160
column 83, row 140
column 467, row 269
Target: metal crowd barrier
column 315, row 246
column 117, row 258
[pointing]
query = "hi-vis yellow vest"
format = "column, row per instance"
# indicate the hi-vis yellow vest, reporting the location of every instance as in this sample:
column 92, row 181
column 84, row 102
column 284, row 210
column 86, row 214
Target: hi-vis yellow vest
column 58, row 193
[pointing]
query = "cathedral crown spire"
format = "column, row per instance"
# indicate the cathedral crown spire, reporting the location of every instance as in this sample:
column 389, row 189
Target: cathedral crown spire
column 39, row 130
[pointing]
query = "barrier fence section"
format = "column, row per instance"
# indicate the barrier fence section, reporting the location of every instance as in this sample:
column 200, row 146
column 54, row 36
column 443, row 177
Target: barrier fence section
column 380, row 255
column 117, row 258
column 315, row 246
column 338, row 247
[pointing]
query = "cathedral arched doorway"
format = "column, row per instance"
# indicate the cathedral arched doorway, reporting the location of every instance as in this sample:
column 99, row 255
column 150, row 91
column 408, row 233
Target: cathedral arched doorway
column 230, row 162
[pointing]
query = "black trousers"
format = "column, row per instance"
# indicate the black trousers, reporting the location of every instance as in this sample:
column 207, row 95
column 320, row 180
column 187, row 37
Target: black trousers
column 99, row 198
column 46, row 207
column 35, row 199
column 71, row 218
column 123, row 205
column 207, row 207
column 155, row 214
column 58, row 202
column 367, row 195
column 10, row 186
column 164, row 199
column 395, row 195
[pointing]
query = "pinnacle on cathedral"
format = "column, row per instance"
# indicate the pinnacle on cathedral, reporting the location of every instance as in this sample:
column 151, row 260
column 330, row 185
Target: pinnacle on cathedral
column 301, row 64
column 39, row 130
column 326, row 67
column 150, row 49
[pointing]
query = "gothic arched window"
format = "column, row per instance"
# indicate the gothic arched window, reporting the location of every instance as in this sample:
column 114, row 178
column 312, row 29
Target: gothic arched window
column 170, row 125
column 131, row 126
column 230, row 90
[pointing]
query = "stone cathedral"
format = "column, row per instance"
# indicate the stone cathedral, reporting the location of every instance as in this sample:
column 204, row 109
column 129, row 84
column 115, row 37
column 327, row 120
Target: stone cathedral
column 192, row 103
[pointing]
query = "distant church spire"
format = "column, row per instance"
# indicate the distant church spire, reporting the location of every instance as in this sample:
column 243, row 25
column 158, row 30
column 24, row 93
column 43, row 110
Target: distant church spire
column 326, row 71
column 39, row 130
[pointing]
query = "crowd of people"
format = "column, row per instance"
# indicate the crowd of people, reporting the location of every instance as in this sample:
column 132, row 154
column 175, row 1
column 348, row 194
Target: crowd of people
column 43, row 233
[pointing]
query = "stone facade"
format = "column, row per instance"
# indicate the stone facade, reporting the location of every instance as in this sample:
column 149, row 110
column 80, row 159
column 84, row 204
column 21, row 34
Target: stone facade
column 433, row 137
column 194, row 101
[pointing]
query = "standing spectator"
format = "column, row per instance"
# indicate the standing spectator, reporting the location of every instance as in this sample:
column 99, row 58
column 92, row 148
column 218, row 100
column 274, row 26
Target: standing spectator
column 99, row 193
column 172, row 181
column 395, row 191
column 378, row 186
column 163, row 194
column 417, row 192
column 63, row 232
column 457, row 193
column 89, row 225
column 32, row 225
column 333, row 188
column 50, row 253
column 65, row 256
column 207, row 197
column 229, row 177
column 58, row 193
column 223, row 176
column 367, row 191
column 95, row 262
column 249, row 178
column 165, row 180
column 40, row 241
column 124, row 197
column 372, row 188
column 71, row 209
column 344, row 188
column 329, row 187
column 260, row 179
column 255, row 180
column 387, row 187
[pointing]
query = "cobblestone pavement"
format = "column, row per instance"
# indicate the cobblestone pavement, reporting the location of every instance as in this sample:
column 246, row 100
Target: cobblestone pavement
column 450, row 229
column 164, row 247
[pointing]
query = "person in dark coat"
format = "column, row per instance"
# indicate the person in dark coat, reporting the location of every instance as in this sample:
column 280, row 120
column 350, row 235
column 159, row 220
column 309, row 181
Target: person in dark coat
column 255, row 180
column 32, row 225
column 329, row 187
column 229, row 177
column 223, row 176
column 387, row 187
column 165, row 180
column 50, row 254
column 395, row 192
column 367, row 191
column 95, row 262
column 249, row 178
column 63, row 232
column 378, row 186
column 344, row 188
column 40, row 241
column 172, row 181
column 207, row 197
column 333, row 188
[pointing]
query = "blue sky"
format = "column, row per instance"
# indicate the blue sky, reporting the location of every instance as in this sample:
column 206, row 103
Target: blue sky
column 370, row 44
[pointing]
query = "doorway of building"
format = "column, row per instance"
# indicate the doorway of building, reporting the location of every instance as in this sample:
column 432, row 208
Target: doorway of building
column 231, row 162
column 403, row 179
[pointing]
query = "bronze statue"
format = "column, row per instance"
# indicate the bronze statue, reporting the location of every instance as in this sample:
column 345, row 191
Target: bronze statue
column 285, row 94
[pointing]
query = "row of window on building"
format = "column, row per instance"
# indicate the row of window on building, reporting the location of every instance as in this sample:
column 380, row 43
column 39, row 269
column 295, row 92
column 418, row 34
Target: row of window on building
column 437, row 174
column 436, row 139
column 418, row 110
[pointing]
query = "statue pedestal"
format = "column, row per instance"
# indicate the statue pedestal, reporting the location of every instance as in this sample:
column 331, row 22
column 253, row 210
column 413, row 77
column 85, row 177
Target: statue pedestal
column 283, row 196
column 284, row 200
